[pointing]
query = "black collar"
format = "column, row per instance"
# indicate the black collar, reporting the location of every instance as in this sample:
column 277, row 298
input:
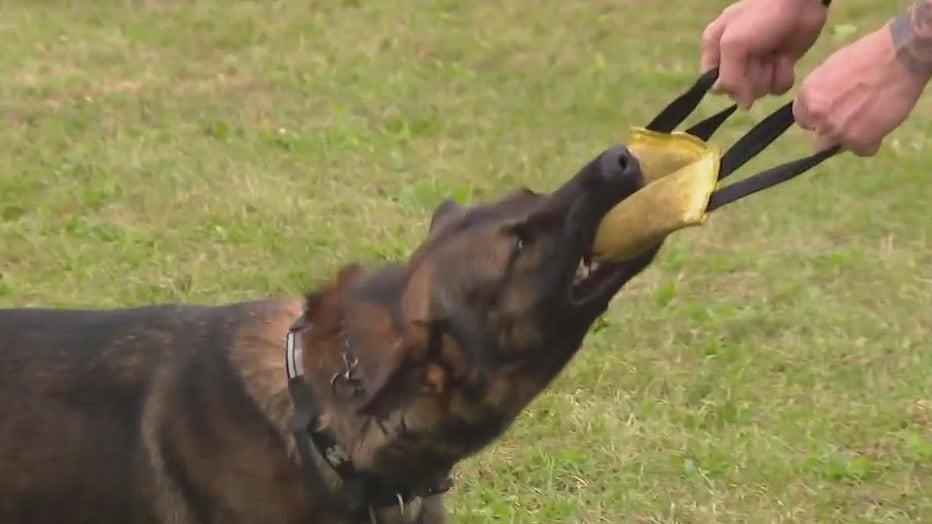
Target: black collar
column 361, row 492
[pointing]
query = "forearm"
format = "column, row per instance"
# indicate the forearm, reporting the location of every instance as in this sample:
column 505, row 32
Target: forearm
column 912, row 38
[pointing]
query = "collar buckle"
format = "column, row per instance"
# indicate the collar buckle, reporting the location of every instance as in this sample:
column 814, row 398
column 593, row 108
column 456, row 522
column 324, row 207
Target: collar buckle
column 346, row 384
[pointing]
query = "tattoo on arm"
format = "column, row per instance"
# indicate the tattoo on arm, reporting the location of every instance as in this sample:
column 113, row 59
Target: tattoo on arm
column 912, row 37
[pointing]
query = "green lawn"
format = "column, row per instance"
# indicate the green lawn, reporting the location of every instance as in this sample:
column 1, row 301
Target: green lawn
column 772, row 366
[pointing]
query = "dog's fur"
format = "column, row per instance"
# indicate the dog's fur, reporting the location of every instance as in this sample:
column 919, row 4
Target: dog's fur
column 180, row 414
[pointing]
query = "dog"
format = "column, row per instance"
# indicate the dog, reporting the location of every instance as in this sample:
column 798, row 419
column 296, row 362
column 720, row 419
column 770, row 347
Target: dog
column 349, row 405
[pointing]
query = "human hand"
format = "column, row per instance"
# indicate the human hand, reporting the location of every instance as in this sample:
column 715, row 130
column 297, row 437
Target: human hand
column 755, row 44
column 864, row 90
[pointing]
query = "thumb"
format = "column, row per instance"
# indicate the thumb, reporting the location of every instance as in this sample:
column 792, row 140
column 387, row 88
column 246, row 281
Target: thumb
column 801, row 113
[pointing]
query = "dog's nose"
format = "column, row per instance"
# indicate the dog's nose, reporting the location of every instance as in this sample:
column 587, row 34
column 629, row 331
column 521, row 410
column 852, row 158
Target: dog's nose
column 618, row 161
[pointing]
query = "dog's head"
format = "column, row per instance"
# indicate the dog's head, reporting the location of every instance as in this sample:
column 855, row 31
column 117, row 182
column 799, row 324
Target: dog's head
column 452, row 344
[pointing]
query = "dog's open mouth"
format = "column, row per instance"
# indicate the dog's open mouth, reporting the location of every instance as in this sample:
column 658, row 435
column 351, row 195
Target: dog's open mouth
column 593, row 279
column 615, row 176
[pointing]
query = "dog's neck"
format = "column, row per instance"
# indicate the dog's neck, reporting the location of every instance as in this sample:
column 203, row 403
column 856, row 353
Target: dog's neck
column 333, row 397
column 327, row 429
column 330, row 373
column 354, row 316
column 259, row 356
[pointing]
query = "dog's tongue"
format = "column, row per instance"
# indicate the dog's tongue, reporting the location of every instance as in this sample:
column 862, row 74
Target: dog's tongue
column 680, row 173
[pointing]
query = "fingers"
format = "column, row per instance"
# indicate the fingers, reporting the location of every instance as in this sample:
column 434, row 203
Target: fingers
column 733, row 70
column 752, row 45
column 866, row 149
column 801, row 113
column 729, row 54
column 782, row 79
column 712, row 36
column 829, row 128
column 861, row 142
column 821, row 141
column 813, row 117
column 710, row 45
column 760, row 75
column 861, row 148
column 744, row 77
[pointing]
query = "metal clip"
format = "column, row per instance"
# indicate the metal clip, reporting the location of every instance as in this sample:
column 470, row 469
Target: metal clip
column 345, row 383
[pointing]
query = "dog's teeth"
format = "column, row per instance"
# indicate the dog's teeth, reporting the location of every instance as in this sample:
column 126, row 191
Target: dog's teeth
column 582, row 272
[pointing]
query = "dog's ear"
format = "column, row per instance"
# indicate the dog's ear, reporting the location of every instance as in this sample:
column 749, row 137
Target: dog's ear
column 405, row 369
column 380, row 375
column 383, row 373
column 316, row 310
column 446, row 211
column 348, row 274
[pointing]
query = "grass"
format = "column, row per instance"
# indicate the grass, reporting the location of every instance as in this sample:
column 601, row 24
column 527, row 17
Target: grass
column 772, row 366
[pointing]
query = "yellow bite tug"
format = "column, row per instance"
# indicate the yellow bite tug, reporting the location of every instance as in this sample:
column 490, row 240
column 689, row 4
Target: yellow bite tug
column 681, row 170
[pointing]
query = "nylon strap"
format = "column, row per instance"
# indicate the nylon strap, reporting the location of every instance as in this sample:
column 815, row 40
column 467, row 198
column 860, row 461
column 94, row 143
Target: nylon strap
column 305, row 410
column 767, row 178
column 681, row 107
column 745, row 148
column 707, row 127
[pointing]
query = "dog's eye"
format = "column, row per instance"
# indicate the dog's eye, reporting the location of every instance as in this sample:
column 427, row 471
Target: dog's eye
column 521, row 240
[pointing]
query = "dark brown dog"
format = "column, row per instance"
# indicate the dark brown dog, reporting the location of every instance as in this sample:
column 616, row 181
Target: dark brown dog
column 182, row 414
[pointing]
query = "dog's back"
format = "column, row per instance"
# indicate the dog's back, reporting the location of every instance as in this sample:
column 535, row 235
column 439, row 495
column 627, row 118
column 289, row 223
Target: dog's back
column 73, row 389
